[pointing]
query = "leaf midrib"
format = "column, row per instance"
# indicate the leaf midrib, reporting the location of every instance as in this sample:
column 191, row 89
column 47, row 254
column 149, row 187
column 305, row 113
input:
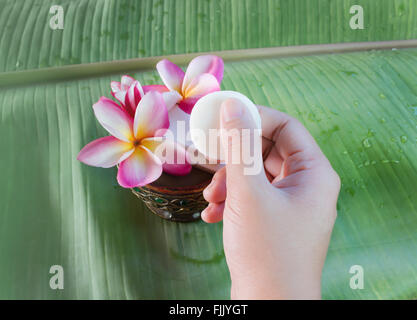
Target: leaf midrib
column 88, row 70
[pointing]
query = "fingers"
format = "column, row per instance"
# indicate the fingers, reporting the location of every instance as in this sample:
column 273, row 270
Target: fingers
column 294, row 149
column 288, row 134
column 215, row 192
column 213, row 213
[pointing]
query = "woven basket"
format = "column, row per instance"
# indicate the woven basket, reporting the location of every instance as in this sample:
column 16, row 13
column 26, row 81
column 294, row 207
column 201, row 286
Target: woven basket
column 176, row 198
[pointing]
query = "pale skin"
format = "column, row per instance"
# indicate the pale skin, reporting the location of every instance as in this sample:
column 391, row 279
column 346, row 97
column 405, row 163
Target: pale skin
column 276, row 224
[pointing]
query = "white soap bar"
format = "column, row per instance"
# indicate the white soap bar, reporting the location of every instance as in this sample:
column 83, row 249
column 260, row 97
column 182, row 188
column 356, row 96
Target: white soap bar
column 205, row 120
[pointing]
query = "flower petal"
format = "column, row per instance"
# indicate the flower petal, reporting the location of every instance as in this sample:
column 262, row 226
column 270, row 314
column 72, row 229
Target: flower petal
column 202, row 85
column 179, row 125
column 155, row 87
column 173, row 155
column 199, row 87
column 114, row 119
column 126, row 82
column 119, row 89
column 203, row 64
column 171, row 98
column 187, row 104
column 117, row 92
column 171, row 74
column 132, row 98
column 115, row 86
column 151, row 117
column 105, row 152
column 153, row 143
column 177, row 169
column 141, row 168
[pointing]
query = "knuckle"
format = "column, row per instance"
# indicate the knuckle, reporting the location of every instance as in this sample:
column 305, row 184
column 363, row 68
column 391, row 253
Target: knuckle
column 293, row 122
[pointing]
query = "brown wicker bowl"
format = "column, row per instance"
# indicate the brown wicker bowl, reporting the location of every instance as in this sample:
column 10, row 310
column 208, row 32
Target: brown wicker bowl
column 176, row 198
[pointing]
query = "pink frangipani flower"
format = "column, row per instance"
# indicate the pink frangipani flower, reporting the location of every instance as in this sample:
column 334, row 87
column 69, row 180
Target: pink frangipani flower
column 204, row 75
column 133, row 141
column 129, row 92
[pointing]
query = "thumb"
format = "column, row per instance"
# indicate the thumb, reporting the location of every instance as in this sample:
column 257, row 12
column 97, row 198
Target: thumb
column 241, row 143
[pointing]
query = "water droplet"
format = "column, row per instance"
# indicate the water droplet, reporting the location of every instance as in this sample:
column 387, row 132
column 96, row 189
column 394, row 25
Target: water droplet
column 357, row 182
column 382, row 96
column 371, row 133
column 351, row 191
column 401, row 10
column 356, row 103
column 349, row 73
column 404, row 139
column 366, row 143
column 291, row 66
column 313, row 117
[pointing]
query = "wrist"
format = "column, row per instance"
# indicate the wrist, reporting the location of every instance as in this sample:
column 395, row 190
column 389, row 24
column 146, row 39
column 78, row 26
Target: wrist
column 299, row 288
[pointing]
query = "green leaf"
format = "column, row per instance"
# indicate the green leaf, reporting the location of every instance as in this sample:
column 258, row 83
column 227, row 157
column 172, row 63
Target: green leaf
column 124, row 29
column 54, row 210
column 361, row 108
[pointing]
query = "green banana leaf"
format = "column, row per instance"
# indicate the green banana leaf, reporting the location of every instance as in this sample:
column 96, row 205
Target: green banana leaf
column 361, row 108
column 105, row 30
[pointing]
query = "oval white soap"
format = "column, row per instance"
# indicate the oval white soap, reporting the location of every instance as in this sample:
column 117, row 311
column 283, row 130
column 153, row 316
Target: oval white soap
column 205, row 121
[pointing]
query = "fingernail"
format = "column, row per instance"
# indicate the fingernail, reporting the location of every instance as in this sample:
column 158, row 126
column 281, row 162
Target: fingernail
column 231, row 110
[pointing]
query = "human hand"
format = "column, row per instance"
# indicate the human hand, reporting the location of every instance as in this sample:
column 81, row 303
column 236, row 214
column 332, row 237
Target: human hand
column 276, row 224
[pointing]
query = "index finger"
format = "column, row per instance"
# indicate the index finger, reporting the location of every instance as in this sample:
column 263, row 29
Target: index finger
column 287, row 133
